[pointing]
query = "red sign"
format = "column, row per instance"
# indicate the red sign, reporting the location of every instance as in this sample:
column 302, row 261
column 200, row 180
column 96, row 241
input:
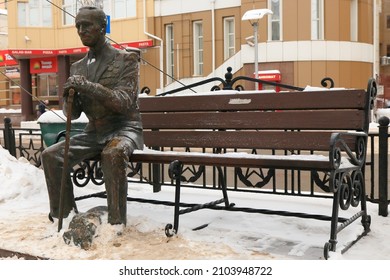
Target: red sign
column 12, row 72
column 43, row 65
column 29, row 53
column 138, row 44
column 6, row 59
column 270, row 75
column 72, row 51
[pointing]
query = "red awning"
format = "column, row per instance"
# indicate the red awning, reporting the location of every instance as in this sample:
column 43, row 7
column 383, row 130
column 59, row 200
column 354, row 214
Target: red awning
column 29, row 53
column 6, row 59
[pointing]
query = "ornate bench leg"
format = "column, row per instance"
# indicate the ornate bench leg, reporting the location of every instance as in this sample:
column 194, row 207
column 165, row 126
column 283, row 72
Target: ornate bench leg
column 349, row 191
column 331, row 245
column 175, row 170
column 223, row 186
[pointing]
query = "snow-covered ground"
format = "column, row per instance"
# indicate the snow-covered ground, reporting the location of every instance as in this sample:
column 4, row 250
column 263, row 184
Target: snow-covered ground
column 231, row 238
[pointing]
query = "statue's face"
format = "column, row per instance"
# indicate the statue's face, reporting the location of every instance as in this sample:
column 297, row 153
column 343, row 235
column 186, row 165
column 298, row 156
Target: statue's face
column 88, row 28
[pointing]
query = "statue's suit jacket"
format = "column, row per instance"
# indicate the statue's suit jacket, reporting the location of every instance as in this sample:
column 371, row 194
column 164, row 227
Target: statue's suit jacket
column 111, row 100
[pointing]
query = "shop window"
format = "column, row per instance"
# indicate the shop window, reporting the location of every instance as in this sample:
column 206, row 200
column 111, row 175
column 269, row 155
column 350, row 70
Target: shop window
column 4, row 98
column 388, row 21
column 14, row 90
column 10, row 87
column 47, row 85
column 15, row 93
column 388, row 50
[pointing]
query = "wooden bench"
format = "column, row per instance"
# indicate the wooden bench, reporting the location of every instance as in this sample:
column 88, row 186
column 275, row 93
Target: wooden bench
column 324, row 132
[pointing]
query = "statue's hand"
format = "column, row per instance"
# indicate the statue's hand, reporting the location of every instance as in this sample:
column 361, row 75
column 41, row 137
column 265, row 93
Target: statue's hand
column 77, row 82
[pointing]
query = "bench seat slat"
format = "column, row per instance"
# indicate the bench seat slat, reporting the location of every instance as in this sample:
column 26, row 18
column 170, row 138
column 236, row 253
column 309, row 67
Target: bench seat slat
column 302, row 162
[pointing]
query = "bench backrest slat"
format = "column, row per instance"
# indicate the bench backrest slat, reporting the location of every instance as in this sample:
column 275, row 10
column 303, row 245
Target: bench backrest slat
column 286, row 121
column 327, row 99
column 328, row 120
column 318, row 141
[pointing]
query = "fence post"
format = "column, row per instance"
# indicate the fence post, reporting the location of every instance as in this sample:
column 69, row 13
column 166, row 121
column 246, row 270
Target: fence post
column 9, row 137
column 383, row 153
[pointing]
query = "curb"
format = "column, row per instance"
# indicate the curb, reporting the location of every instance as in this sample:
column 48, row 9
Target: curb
column 10, row 254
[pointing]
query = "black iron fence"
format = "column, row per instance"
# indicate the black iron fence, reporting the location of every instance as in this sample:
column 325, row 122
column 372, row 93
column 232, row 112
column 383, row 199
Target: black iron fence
column 28, row 143
column 377, row 166
column 22, row 142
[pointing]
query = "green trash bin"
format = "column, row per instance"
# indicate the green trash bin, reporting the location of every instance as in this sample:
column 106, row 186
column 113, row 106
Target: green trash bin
column 54, row 121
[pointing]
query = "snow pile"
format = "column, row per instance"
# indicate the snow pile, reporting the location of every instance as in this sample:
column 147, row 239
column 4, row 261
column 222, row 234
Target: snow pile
column 57, row 116
column 19, row 178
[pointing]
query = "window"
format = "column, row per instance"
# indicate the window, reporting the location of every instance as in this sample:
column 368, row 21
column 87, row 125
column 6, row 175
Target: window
column 35, row 13
column 317, row 21
column 229, row 37
column 9, row 88
column 170, row 52
column 274, row 20
column 354, row 20
column 198, row 48
column 388, row 21
column 70, row 9
column 120, row 8
column 47, row 85
column 113, row 8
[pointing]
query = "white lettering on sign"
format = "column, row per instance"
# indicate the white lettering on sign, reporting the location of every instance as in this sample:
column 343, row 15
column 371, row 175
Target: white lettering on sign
column 8, row 57
column 46, row 64
column 239, row 101
column 267, row 76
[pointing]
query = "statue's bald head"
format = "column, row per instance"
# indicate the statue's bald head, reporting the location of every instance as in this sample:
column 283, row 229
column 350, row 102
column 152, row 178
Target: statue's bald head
column 97, row 13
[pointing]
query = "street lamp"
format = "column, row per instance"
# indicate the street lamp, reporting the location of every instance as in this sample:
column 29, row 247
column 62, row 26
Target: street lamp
column 253, row 16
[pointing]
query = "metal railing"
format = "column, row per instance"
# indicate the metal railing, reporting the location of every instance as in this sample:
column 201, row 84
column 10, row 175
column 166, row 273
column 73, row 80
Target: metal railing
column 28, row 143
column 378, row 177
column 22, row 142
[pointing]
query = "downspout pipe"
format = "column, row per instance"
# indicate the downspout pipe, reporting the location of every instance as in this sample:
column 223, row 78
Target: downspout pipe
column 161, row 47
column 213, row 34
column 377, row 9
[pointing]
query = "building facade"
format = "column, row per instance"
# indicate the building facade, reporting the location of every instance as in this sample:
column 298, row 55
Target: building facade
column 384, row 50
column 306, row 40
column 42, row 39
column 183, row 41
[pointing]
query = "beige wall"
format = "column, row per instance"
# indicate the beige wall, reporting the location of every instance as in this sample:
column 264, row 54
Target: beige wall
column 3, row 32
column 58, row 36
column 296, row 27
column 344, row 74
column 62, row 37
column 183, row 37
column 3, row 88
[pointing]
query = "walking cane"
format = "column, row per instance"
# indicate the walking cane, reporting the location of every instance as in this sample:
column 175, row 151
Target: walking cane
column 66, row 157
